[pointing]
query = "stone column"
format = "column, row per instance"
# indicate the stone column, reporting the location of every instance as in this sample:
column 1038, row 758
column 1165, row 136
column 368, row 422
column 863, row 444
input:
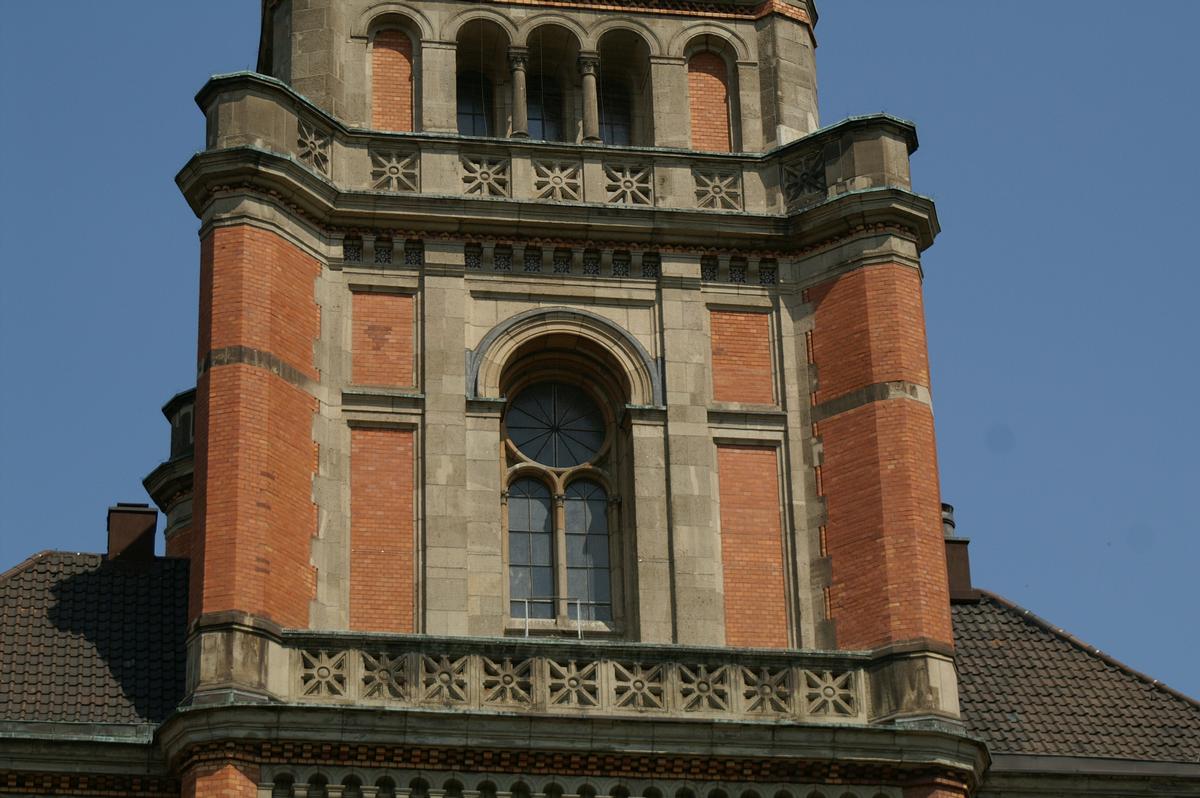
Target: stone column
column 518, row 60
column 589, row 65
column 672, row 124
column 485, row 534
column 652, row 608
column 439, row 84
column 691, row 456
column 444, row 447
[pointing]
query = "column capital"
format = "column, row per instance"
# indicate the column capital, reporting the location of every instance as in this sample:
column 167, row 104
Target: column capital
column 589, row 63
column 518, row 57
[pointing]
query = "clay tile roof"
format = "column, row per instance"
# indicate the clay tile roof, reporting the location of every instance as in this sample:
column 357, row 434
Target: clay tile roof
column 1026, row 687
column 83, row 640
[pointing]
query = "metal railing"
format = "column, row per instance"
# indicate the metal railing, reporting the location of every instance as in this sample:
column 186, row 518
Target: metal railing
column 553, row 601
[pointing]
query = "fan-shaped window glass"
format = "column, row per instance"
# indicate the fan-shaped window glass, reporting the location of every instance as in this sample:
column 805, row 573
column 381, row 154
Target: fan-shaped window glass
column 530, row 550
column 556, row 424
column 474, row 104
column 545, row 104
column 588, row 583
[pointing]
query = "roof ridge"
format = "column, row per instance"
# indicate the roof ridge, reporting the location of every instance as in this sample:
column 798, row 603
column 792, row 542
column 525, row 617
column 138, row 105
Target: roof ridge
column 29, row 561
column 1087, row 648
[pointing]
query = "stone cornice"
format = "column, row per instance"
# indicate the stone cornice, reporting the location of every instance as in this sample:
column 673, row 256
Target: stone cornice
column 327, row 173
column 698, row 749
column 170, row 480
column 261, row 173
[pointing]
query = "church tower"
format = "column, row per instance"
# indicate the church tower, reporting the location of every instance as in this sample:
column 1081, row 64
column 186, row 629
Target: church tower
column 562, row 420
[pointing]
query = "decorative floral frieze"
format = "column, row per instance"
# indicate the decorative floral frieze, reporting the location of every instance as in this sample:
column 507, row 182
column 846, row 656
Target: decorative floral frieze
column 737, row 270
column 485, row 177
column 520, row 680
column 384, row 676
column 323, row 673
column 591, row 263
column 393, row 780
column 620, row 263
column 628, row 184
column 444, row 679
column 507, row 682
column 830, row 694
column 804, row 179
column 557, row 180
column 638, row 686
column 767, row 690
column 717, row 189
column 312, row 147
column 395, row 171
column 574, row 685
column 704, row 688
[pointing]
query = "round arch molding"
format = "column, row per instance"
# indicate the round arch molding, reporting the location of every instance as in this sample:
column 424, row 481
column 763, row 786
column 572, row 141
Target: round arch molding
column 486, row 364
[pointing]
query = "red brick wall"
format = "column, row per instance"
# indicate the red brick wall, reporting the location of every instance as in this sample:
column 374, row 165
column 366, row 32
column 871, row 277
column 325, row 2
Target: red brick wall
column 870, row 328
column 879, row 470
column 255, row 458
column 392, row 81
column 741, row 357
column 217, row 780
column 752, row 547
column 708, row 99
column 941, row 790
column 382, row 339
column 180, row 543
column 381, row 530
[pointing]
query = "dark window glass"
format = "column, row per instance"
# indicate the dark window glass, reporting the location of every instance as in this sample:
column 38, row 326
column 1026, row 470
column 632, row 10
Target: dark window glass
column 555, row 424
column 474, row 105
column 545, row 103
column 616, row 113
column 588, row 583
column 530, row 550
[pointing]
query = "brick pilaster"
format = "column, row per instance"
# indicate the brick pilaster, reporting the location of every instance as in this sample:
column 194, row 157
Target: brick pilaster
column 879, row 471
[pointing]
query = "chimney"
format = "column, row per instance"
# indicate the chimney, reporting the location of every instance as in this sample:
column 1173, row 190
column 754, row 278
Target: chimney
column 131, row 529
column 958, row 562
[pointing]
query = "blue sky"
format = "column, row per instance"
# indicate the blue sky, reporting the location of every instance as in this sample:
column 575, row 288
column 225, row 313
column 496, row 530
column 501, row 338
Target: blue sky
column 1059, row 141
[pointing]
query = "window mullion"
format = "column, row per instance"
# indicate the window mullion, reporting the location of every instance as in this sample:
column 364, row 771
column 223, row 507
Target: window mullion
column 560, row 560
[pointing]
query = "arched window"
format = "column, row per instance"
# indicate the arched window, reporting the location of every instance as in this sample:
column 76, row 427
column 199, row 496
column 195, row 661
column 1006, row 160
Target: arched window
column 625, row 93
column 474, row 104
column 589, row 585
column 708, row 101
column 559, row 542
column 551, row 84
column 481, row 78
column 545, row 104
column 616, row 113
column 530, row 550
column 392, row 80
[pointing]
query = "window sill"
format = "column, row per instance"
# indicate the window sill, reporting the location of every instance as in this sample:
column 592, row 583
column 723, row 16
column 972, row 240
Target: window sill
column 541, row 627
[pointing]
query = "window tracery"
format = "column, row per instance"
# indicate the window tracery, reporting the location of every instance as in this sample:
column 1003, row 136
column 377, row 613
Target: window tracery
column 560, row 509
